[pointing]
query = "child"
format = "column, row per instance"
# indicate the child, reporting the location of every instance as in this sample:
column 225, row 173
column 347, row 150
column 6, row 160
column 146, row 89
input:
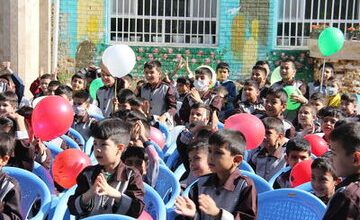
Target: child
column 259, row 74
column 318, row 100
column 323, row 178
column 10, row 190
column 53, row 85
column 307, row 121
column 328, row 117
column 78, row 82
column 297, row 150
column 44, row 83
column 332, row 93
column 64, row 91
column 110, row 186
column 253, row 103
column 160, row 95
column 345, row 145
column 348, row 105
column 138, row 158
column 269, row 158
column 123, row 99
column 314, row 87
column 224, row 194
column 183, row 86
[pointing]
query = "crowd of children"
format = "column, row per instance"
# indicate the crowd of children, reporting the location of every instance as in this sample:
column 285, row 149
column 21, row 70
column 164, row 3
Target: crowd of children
column 199, row 101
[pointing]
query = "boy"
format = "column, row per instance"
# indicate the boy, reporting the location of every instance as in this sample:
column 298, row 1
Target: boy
column 307, row 121
column 259, row 74
column 224, row 194
column 52, row 87
column 297, row 150
column 10, row 190
column 269, row 158
column 348, row 105
column 160, row 95
column 332, row 93
column 137, row 157
column 323, row 178
column 183, row 86
column 314, row 87
column 328, row 117
column 110, row 186
column 64, row 91
column 318, row 100
column 345, row 146
column 123, row 99
column 78, row 82
column 44, row 83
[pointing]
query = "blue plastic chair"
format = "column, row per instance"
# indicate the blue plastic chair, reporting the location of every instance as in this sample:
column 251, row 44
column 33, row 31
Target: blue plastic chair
column 158, row 149
column 172, row 159
column 220, row 126
column 55, row 150
column 246, row 166
column 61, row 210
column 188, row 188
column 167, row 186
column 109, row 217
column 261, row 185
column 88, row 147
column 174, row 133
column 276, row 175
column 165, row 130
column 154, row 205
column 70, row 142
column 289, row 204
column 45, row 176
column 32, row 188
column 180, row 170
column 97, row 117
column 305, row 187
column 78, row 137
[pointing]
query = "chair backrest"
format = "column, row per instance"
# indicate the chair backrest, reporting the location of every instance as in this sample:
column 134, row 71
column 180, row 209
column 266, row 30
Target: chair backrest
column 305, row 187
column 290, row 204
column 174, row 133
column 220, row 126
column 165, row 130
column 61, row 210
column 32, row 188
column 55, row 150
column 172, row 159
column 97, row 117
column 45, row 176
column 78, row 137
column 276, row 175
column 154, row 205
column 88, row 148
column 70, row 142
column 188, row 188
column 261, row 185
column 109, row 217
column 246, row 166
column 180, row 170
column 167, row 186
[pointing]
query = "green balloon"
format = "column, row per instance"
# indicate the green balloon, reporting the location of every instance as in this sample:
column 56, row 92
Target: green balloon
column 330, row 41
column 95, row 85
column 275, row 75
column 291, row 104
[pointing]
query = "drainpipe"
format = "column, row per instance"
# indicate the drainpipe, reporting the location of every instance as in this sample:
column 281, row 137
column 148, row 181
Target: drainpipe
column 55, row 37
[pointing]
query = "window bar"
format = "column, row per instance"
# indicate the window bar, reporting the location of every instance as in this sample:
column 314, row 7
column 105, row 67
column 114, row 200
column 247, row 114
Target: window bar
column 283, row 25
column 191, row 7
column 340, row 13
column 353, row 15
column 150, row 20
column 185, row 21
column 123, row 21
column 311, row 14
column 204, row 24
column 171, row 23
column 296, row 22
column 177, row 21
column 117, row 20
column 197, row 21
column 318, row 13
column 346, row 15
column 210, row 22
column 157, row 22
column 143, row 21
column 136, row 17
column 163, row 27
column 289, row 35
column 325, row 10
column 303, row 24
column 129, row 16
column 332, row 13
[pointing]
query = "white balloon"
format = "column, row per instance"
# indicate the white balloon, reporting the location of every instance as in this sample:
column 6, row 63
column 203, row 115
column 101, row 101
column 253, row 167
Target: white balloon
column 119, row 60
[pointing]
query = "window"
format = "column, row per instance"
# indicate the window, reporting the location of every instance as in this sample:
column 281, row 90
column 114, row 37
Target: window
column 176, row 22
column 296, row 18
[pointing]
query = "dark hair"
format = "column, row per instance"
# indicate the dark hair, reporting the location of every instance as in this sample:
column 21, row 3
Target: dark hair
column 297, row 144
column 233, row 141
column 82, row 95
column 135, row 152
column 54, row 83
column 201, row 105
column 136, row 101
column 262, row 69
column 45, row 76
column 79, row 76
column 204, row 70
column 348, row 135
column 274, row 123
column 327, row 65
column 183, row 80
column 324, row 164
column 279, row 94
column 64, row 90
column 289, row 61
column 349, row 98
column 318, row 96
column 200, row 144
column 252, row 83
column 313, row 110
column 223, row 65
column 261, row 62
column 112, row 128
column 7, row 144
column 9, row 96
column 330, row 112
column 5, row 121
column 125, row 95
column 153, row 64
column 131, row 117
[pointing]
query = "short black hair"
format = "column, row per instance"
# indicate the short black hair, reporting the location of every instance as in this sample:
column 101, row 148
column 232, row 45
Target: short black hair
column 9, row 96
column 324, row 164
column 327, row 65
column 183, row 80
column 79, row 75
column 349, row 98
column 64, row 90
column 252, row 83
column 298, row 144
column 274, row 123
column 312, row 108
column 261, row 62
column 45, row 76
column 279, row 94
column 153, row 64
column 84, row 95
column 234, row 141
column 7, row 144
column 112, row 128
column 223, row 65
column 201, row 105
column 257, row 67
column 330, row 112
column 54, row 83
column 136, row 101
column 135, row 152
column 125, row 95
column 348, row 135
column 290, row 61
column 318, row 96
column 200, row 144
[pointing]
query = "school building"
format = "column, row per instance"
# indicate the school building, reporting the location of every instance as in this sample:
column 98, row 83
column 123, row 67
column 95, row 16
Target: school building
column 71, row 34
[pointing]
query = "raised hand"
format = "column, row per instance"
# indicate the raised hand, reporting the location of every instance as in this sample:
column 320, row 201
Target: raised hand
column 185, row 206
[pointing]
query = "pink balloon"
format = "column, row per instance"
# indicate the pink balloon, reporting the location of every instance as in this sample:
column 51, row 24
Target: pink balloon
column 157, row 136
column 145, row 216
column 250, row 126
column 318, row 145
column 301, row 173
column 52, row 117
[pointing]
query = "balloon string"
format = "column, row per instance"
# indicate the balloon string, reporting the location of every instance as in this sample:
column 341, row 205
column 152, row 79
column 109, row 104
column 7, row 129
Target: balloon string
column 115, row 93
column 322, row 77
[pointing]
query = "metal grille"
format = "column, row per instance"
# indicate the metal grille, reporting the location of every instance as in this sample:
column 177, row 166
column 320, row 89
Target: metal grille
column 297, row 17
column 176, row 22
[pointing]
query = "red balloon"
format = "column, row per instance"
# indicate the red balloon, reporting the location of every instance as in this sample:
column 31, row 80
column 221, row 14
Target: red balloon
column 145, row 216
column 52, row 117
column 301, row 173
column 250, row 126
column 157, row 136
column 67, row 166
column 318, row 145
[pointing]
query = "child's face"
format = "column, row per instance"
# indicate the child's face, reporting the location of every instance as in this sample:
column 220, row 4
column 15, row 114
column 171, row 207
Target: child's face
column 317, row 104
column 198, row 160
column 182, row 88
column 107, row 79
column 51, row 90
column 344, row 164
column 137, row 163
column 305, row 116
column 203, row 76
column 152, row 76
column 4, row 160
column 328, row 124
column 251, row 93
column 287, row 71
column 222, row 74
column 272, row 138
column 78, row 84
column 198, row 116
column 323, row 183
column 273, row 106
column 44, row 83
column 220, row 159
column 328, row 72
column 80, row 106
column 259, row 76
column 107, row 153
column 348, row 108
column 295, row 157
column 6, row 108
